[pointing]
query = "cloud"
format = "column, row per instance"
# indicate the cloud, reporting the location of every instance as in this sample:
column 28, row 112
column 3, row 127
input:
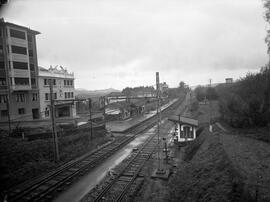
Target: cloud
column 125, row 42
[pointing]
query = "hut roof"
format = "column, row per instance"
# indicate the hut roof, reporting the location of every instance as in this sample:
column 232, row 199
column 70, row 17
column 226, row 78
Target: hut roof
column 185, row 120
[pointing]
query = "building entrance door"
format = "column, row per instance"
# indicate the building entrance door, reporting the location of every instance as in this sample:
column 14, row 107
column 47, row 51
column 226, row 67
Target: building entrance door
column 63, row 111
column 186, row 131
column 35, row 113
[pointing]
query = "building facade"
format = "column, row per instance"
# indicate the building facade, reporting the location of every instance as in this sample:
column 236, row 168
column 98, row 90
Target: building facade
column 19, row 98
column 63, row 92
column 185, row 128
column 229, row 80
column 163, row 87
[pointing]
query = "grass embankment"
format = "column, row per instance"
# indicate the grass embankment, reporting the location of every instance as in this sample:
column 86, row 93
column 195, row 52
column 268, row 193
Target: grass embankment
column 22, row 160
column 208, row 176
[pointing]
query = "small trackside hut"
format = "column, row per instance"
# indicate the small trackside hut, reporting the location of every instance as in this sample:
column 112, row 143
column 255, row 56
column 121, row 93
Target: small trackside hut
column 185, row 129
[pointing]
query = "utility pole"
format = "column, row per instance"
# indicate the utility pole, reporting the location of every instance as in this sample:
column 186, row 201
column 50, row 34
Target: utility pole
column 210, row 108
column 158, row 115
column 54, row 132
column 159, row 172
column 9, row 122
column 90, row 114
column 104, row 110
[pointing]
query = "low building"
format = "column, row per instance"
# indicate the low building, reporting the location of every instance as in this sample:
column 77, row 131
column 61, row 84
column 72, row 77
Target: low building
column 63, row 92
column 229, row 80
column 118, row 111
column 163, row 87
column 185, row 128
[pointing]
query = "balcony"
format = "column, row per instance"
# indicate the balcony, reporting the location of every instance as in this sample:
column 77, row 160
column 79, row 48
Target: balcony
column 20, row 87
column 21, row 73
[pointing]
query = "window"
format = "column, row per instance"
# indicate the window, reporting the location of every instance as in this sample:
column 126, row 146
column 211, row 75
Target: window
column 21, row 81
column 3, row 98
column 46, row 96
column 34, row 97
column 2, row 65
column 68, row 82
column 65, row 94
column 47, row 112
column 33, row 82
column 17, row 34
column 32, row 67
column 20, row 65
column 21, row 111
column 29, row 38
column 30, row 53
column 1, row 49
column 55, row 96
column 4, row 113
column 20, row 97
column 3, row 82
column 47, row 81
column 72, row 94
column 19, row 50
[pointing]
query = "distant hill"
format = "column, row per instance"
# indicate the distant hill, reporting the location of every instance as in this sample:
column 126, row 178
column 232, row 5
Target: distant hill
column 205, row 85
column 83, row 93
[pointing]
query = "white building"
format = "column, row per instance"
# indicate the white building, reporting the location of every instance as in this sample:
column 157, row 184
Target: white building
column 229, row 80
column 163, row 87
column 63, row 89
column 185, row 128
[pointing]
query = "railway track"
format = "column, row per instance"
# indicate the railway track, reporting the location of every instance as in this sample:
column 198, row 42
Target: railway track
column 46, row 187
column 128, row 176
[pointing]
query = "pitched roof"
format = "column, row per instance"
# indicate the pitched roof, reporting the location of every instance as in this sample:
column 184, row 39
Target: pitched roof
column 182, row 119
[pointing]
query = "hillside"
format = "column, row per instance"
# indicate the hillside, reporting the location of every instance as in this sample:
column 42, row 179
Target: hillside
column 83, row 93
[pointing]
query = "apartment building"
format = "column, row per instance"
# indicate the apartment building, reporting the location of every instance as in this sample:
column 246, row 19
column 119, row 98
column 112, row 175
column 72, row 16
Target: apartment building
column 19, row 98
column 63, row 92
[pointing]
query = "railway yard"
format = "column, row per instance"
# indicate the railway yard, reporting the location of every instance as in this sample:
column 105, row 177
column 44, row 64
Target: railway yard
column 52, row 185
column 123, row 169
column 156, row 101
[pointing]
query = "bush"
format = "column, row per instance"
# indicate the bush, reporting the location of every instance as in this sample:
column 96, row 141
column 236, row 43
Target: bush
column 247, row 101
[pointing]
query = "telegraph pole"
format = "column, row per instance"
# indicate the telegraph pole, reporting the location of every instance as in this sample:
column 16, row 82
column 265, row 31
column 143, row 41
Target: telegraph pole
column 210, row 108
column 104, row 110
column 158, row 115
column 90, row 114
column 54, row 132
column 9, row 121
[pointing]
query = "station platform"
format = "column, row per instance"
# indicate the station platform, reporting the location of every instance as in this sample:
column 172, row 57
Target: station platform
column 122, row 126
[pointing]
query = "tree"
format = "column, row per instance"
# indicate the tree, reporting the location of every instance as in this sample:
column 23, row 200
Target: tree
column 200, row 93
column 211, row 94
column 182, row 84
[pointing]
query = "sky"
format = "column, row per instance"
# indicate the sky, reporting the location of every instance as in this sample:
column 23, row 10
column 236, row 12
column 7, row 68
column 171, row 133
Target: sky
column 120, row 43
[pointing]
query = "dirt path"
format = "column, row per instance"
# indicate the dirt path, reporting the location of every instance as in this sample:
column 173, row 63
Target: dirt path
column 252, row 159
